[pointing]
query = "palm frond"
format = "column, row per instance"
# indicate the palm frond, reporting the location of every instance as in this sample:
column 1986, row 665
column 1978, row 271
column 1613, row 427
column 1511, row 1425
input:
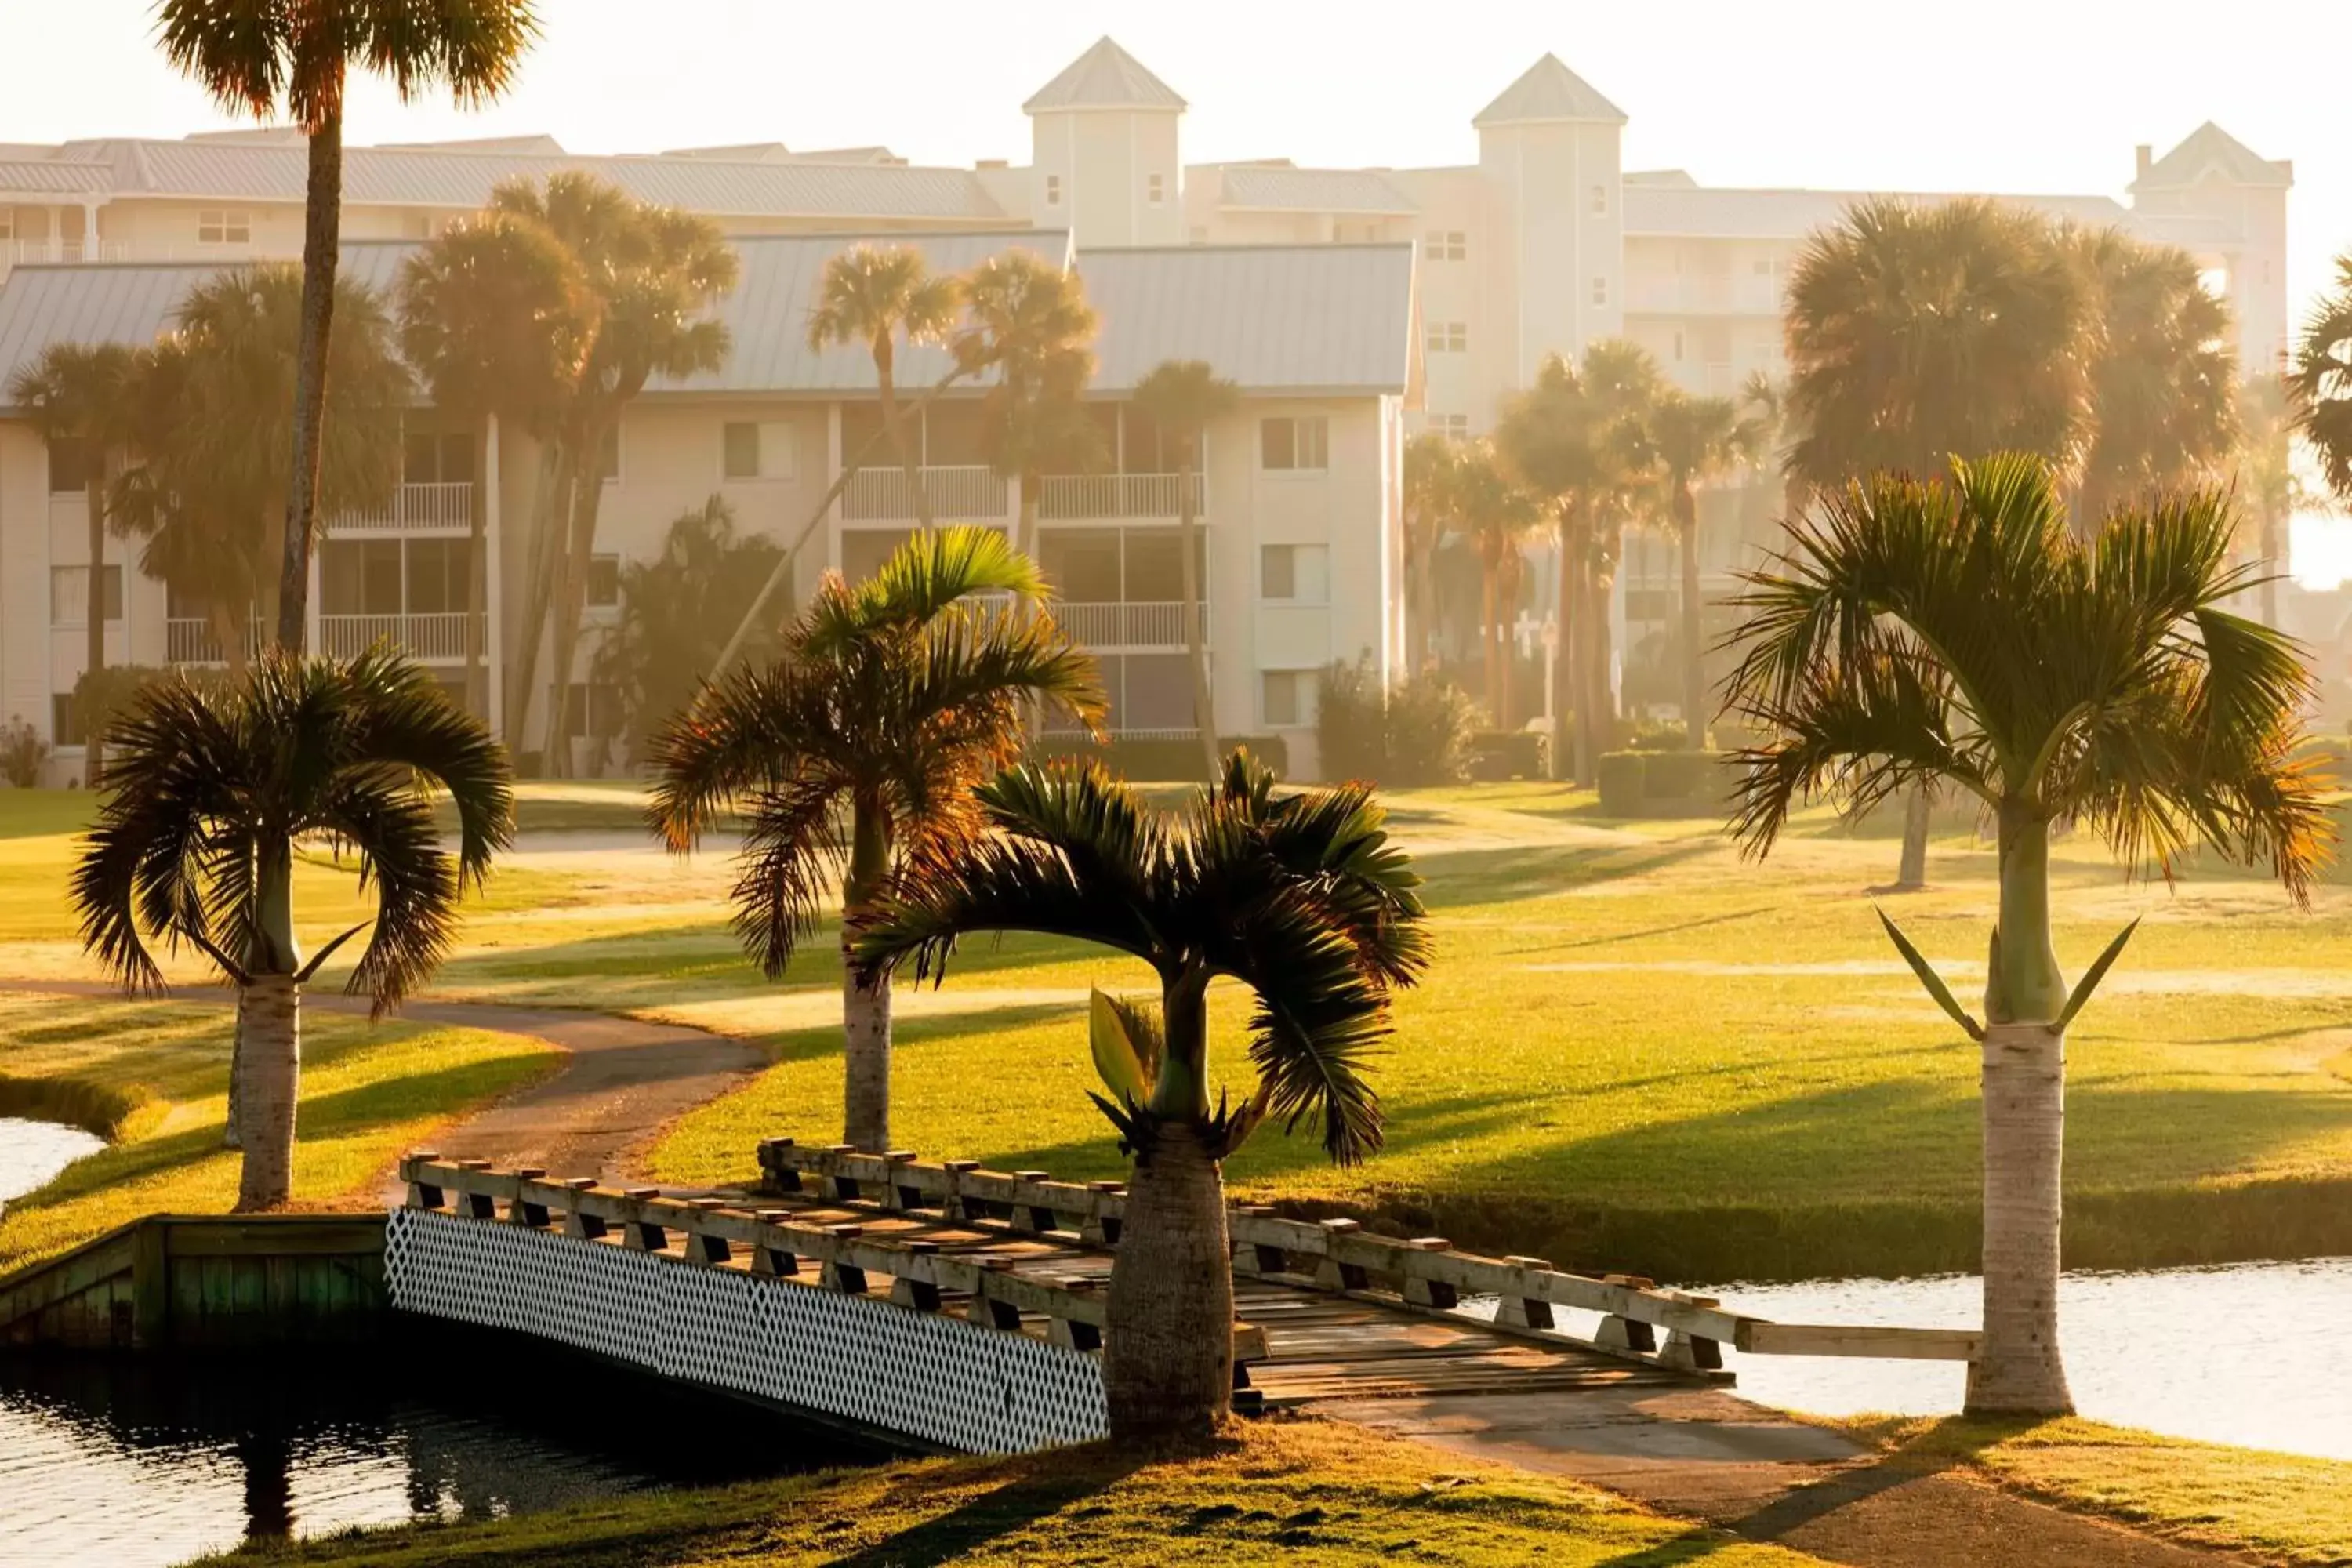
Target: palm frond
column 401, row 718
column 416, row 883
column 792, row 858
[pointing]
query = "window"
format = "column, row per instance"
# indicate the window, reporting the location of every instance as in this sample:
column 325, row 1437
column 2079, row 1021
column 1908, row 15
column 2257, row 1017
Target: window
column 1053, row 190
column 1155, row 189
column 69, row 466
column 69, row 595
column 1446, row 245
column 1600, row 199
column 603, row 582
column 65, row 721
column 218, row 226
column 427, row 459
column 608, row 457
column 1678, row 347
column 595, row 711
column 1448, row 337
column 438, row 583
column 1453, row 427
column 1286, row 697
column 1296, row 574
column 1294, row 444
column 1600, row 291
column 757, row 452
column 1762, row 267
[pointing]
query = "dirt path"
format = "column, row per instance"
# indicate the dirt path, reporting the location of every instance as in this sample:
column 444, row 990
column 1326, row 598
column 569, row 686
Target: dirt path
column 622, row 1080
column 1720, row 1461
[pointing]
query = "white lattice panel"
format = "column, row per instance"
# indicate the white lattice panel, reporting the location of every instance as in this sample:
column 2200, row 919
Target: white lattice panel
column 921, row 1374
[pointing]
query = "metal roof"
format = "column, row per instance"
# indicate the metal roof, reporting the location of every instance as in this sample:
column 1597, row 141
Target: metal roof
column 1259, row 187
column 429, row 177
column 1704, row 213
column 1104, row 76
column 1549, row 90
column 54, row 174
column 1273, row 319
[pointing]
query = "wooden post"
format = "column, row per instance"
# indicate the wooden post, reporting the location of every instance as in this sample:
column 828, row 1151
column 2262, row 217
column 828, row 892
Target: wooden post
column 1070, row 1332
column 520, row 1210
column 1421, row 1292
column 780, row 1175
column 1524, row 1311
column 846, row 1278
column 896, row 1195
column 586, row 1227
column 424, row 1195
column 1099, row 1228
column 1331, row 1274
column 922, row 1295
column 1688, row 1352
column 151, row 1284
column 772, row 1260
column 831, row 1185
column 708, row 1246
column 986, row 1309
column 951, row 1204
column 643, row 1235
column 1030, row 1219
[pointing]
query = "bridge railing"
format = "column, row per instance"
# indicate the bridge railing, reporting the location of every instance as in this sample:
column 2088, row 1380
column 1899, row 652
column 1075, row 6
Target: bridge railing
column 1339, row 1255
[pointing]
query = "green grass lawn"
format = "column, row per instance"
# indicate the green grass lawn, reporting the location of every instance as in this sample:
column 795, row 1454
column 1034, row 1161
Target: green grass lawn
column 155, row 1075
column 1306, row 1494
column 1635, row 1049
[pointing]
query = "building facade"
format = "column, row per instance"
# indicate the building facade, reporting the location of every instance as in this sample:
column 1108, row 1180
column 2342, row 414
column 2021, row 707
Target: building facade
column 1352, row 306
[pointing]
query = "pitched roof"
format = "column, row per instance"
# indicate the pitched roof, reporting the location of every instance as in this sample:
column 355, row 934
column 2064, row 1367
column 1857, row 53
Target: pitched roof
column 54, row 174
column 2210, row 147
column 1258, row 186
column 1549, row 90
column 1273, row 319
column 1104, row 76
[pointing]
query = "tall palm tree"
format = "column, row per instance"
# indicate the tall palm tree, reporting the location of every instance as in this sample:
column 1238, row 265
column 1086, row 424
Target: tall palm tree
column 1302, row 898
column 1432, row 464
column 1960, row 630
column 1697, row 438
column 2163, row 372
column 1919, row 334
column 212, row 789
column 80, row 394
column 1498, row 516
column 264, row 58
column 2269, row 407
column 872, row 296
column 495, row 316
column 1181, row 397
column 206, row 477
column 1029, row 329
column 856, row 753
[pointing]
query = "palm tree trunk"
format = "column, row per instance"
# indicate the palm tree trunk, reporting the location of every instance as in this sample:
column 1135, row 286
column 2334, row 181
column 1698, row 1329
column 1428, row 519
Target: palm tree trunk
column 572, row 588
column 2019, row 1368
column 1196, row 654
column 1911, row 872
column 1694, row 656
column 1489, row 685
column 269, row 1049
column 894, row 420
column 477, row 604
column 1565, row 760
column 233, row 630
column 1168, row 1342
column 2273, row 563
column 322, row 246
column 233, row 1132
column 865, row 1007
column 551, row 499
column 94, row 652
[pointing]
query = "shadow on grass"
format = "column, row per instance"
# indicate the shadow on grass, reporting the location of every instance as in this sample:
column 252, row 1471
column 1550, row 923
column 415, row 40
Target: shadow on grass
column 1027, row 1498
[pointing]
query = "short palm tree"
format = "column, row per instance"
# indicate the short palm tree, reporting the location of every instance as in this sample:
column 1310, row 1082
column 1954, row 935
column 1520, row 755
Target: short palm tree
column 856, row 754
column 1302, row 898
column 1499, row 518
column 1431, row 466
column 81, row 394
column 212, row 790
column 1181, row 397
column 263, row 59
column 1962, row 631
column 872, row 296
column 1696, row 438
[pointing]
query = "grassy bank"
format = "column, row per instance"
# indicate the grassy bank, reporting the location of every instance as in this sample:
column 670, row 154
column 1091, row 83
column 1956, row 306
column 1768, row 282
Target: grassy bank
column 1300, row 1492
column 367, row 1093
column 2279, row 1508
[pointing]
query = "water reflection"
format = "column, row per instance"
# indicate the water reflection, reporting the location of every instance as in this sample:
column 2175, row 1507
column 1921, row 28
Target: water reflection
column 141, row 1461
column 31, row 1152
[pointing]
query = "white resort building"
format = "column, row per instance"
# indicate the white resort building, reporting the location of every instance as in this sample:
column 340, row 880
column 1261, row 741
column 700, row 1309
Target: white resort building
column 1352, row 306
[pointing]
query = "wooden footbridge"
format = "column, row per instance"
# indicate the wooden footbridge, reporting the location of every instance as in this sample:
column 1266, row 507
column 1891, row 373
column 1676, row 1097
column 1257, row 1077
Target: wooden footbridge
column 949, row 1305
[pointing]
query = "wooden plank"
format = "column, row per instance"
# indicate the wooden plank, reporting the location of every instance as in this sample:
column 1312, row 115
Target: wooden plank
column 1759, row 1338
column 150, row 1280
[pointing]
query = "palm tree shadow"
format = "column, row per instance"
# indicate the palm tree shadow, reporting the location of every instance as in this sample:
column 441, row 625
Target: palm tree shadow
column 1026, row 1497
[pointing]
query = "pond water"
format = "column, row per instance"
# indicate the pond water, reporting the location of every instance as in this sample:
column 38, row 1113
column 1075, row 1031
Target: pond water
column 31, row 1152
column 138, row 1463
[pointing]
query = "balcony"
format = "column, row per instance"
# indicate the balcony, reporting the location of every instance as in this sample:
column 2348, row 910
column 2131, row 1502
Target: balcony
column 435, row 639
column 413, row 509
column 1128, row 626
column 964, row 492
column 190, row 639
column 1074, row 498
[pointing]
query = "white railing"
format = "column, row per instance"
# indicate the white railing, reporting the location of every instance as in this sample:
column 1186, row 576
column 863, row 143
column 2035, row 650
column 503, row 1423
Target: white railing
column 437, row 637
column 1126, row 625
column 957, row 493
column 1062, row 498
column 437, row 507
column 190, row 639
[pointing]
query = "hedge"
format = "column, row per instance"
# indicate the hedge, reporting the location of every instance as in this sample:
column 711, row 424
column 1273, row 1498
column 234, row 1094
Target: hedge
column 1155, row 760
column 1663, row 784
column 1497, row 755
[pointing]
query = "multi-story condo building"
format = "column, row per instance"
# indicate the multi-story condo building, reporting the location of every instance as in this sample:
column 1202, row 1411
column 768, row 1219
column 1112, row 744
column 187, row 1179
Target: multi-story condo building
column 1353, row 305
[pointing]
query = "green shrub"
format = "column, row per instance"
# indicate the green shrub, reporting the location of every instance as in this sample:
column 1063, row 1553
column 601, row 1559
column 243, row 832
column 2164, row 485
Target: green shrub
column 1417, row 731
column 1167, row 760
column 1350, row 723
column 1497, row 755
column 1685, row 775
column 1653, row 735
column 1623, row 778
column 22, row 753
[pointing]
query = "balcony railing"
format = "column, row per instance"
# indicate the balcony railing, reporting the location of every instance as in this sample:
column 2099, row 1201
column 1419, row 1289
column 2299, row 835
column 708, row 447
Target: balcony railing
column 435, row 638
column 414, row 509
column 190, row 639
column 1065, row 497
column 959, row 494
column 1128, row 626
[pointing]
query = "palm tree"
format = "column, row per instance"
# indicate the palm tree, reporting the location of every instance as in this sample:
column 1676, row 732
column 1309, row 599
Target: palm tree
column 856, row 752
column 1028, row 325
column 2269, row 407
column 2163, row 372
column 1498, row 516
column 495, row 316
column 1302, row 898
column 873, row 296
column 1962, row 631
column 1433, row 466
column 265, row 59
column 1916, row 334
column 212, row 789
column 1181, row 397
column 79, row 395
column 1697, row 438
